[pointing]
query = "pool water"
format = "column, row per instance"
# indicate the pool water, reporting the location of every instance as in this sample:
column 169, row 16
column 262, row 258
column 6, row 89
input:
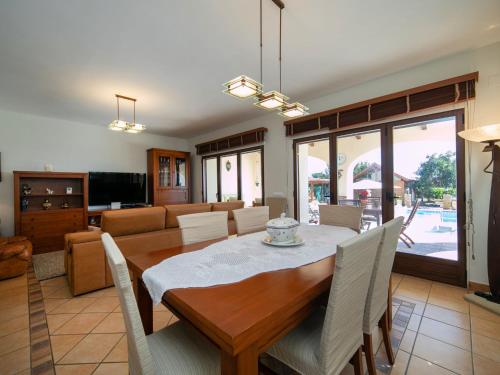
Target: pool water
column 447, row 216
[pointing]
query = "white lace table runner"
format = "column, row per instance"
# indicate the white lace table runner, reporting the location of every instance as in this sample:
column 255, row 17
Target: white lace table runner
column 239, row 258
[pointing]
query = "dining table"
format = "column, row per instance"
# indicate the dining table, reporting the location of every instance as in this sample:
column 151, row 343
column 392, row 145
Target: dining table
column 243, row 318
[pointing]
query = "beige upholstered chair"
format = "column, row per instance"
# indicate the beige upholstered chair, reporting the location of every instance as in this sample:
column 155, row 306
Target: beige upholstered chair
column 326, row 341
column 376, row 301
column 176, row 349
column 250, row 220
column 203, row 226
column 342, row 216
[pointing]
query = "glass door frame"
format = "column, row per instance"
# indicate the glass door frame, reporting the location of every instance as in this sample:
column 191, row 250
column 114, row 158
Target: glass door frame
column 442, row 270
column 238, row 153
column 333, row 166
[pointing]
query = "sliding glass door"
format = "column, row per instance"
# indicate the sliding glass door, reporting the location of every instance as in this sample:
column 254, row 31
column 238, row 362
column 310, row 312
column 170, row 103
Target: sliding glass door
column 234, row 176
column 412, row 168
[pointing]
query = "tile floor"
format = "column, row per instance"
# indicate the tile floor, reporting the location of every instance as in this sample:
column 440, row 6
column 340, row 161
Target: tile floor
column 444, row 335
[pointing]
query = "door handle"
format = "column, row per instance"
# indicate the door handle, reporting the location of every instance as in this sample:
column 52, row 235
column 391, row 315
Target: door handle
column 389, row 196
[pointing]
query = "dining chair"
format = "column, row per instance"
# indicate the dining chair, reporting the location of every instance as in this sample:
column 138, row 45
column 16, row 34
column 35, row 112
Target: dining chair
column 376, row 300
column 176, row 349
column 327, row 340
column 342, row 216
column 203, row 226
column 251, row 219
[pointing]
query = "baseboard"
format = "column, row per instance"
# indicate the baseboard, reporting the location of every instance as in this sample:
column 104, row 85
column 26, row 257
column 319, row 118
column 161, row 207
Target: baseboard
column 479, row 287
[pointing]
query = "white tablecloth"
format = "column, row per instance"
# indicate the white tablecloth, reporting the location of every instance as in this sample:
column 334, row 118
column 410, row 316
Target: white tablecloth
column 239, row 258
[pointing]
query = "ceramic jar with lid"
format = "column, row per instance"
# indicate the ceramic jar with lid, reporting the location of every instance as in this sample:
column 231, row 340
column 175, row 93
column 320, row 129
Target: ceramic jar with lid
column 282, row 229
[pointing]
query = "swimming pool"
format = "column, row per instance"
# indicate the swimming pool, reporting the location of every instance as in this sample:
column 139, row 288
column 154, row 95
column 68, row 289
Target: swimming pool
column 448, row 216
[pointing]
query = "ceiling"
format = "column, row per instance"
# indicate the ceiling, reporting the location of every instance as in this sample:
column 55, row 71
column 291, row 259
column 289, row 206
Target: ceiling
column 67, row 59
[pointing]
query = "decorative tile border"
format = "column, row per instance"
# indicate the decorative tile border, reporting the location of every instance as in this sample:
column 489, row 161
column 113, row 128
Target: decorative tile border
column 41, row 351
column 401, row 319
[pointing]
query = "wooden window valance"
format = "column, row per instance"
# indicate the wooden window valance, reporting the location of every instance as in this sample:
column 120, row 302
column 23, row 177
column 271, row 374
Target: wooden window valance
column 236, row 140
column 448, row 91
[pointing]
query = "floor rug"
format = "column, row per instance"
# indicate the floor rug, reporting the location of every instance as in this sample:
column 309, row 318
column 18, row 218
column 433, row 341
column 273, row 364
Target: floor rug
column 48, row 265
column 483, row 302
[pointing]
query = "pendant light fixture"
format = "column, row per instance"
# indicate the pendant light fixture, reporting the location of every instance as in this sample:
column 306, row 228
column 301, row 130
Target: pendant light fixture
column 120, row 125
column 245, row 87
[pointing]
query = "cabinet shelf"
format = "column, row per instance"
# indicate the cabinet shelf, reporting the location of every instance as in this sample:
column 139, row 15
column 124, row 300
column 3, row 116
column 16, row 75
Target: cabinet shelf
column 52, row 195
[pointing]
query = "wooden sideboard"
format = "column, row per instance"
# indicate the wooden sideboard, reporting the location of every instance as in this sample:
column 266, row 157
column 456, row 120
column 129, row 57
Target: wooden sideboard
column 168, row 177
column 46, row 226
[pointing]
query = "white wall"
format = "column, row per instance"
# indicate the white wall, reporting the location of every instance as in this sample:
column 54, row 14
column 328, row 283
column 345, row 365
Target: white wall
column 278, row 148
column 28, row 142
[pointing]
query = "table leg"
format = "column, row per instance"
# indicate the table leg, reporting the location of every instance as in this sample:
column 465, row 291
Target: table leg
column 145, row 305
column 244, row 363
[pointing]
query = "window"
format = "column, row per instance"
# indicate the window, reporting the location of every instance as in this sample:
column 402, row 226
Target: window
column 238, row 175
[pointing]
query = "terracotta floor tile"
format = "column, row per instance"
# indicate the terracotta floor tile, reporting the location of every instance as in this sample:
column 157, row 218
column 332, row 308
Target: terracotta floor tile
column 10, row 313
column 486, row 347
column 74, row 305
column 118, row 309
column 16, row 361
column 485, row 366
column 173, row 320
column 482, row 313
column 161, row 319
column 13, row 283
column 61, row 292
column 485, row 327
column 113, row 323
column 16, row 291
column 112, row 369
column 14, row 341
column 110, row 292
column 14, row 325
column 160, row 307
column 57, row 320
column 81, row 324
column 414, row 288
column 48, row 290
column 61, row 344
column 86, row 369
column 445, row 332
column 408, row 340
column 53, row 303
column 442, row 354
column 119, row 352
column 103, row 304
column 449, row 297
column 399, row 367
column 414, row 322
column 92, row 349
column 419, row 366
column 448, row 316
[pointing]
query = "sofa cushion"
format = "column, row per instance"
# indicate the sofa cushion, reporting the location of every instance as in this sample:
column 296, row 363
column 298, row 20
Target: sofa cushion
column 228, row 206
column 175, row 210
column 131, row 221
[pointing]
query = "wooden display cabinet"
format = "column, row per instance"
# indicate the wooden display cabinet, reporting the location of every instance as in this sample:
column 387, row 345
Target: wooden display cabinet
column 46, row 226
column 168, row 177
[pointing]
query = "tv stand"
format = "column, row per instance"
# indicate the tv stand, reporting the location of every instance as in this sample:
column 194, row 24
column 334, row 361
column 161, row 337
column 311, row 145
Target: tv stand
column 95, row 212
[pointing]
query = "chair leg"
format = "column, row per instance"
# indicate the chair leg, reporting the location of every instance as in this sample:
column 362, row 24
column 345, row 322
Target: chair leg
column 357, row 362
column 370, row 358
column 405, row 242
column 384, row 324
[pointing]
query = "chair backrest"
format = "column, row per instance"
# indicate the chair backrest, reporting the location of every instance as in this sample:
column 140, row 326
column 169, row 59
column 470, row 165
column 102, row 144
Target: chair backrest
column 376, row 300
column 204, row 226
column 342, row 331
column 252, row 219
column 139, row 357
column 342, row 216
column 277, row 205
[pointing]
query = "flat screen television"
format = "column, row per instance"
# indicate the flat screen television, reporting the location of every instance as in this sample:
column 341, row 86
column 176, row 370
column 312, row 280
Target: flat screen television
column 107, row 187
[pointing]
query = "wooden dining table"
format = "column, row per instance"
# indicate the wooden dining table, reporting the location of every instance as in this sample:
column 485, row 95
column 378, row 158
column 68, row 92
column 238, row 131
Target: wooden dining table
column 244, row 318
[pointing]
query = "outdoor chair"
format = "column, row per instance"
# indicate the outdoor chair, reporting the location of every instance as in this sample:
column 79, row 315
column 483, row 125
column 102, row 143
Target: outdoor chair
column 403, row 236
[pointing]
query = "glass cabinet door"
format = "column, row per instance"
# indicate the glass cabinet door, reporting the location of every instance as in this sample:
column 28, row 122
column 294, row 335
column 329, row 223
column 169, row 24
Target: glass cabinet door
column 164, row 172
column 180, row 172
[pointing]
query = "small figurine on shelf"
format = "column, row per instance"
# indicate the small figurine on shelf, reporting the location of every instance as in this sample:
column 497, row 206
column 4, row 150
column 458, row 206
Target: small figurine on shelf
column 69, row 190
column 49, row 191
column 65, row 204
column 26, row 189
column 24, row 204
column 46, row 204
